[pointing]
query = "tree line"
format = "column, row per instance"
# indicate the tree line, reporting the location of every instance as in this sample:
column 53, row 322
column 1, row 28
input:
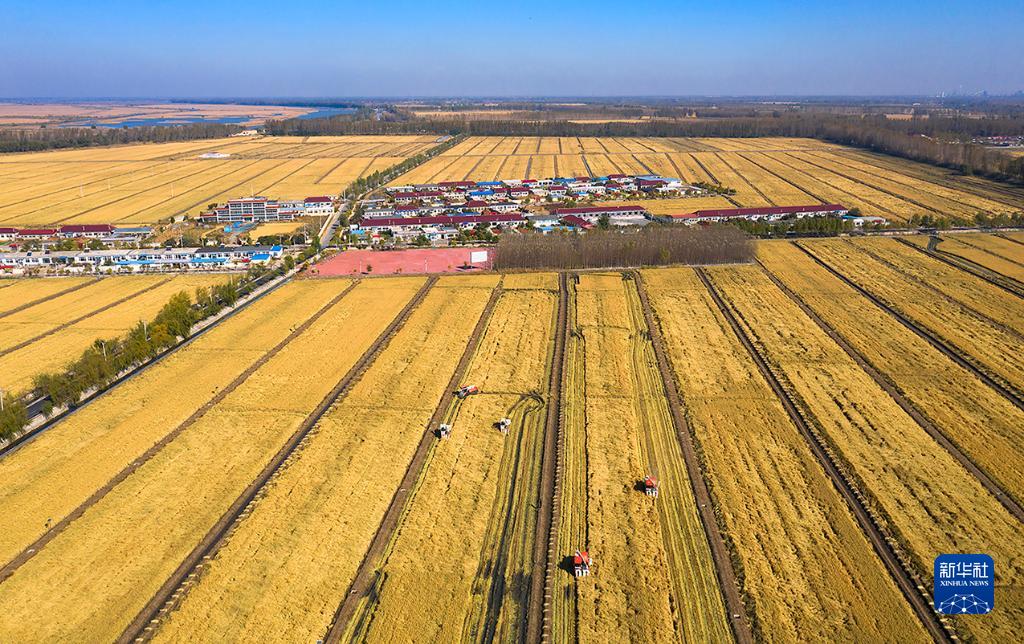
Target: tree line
column 103, row 361
column 24, row 140
column 939, row 141
column 653, row 245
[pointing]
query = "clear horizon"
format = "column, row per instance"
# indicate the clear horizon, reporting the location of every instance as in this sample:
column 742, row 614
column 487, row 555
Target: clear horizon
column 316, row 49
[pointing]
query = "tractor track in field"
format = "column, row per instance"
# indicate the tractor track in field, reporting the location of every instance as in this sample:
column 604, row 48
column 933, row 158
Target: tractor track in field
column 59, row 527
column 934, row 289
column 1010, row 239
column 942, row 346
column 739, row 620
column 175, row 588
column 965, row 239
column 367, row 574
column 106, row 307
column 545, row 540
column 889, row 387
column 900, row 572
column 1006, row 283
column 53, row 296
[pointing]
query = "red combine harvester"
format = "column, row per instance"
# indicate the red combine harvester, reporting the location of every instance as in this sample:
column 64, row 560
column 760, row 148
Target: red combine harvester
column 581, row 563
column 651, row 486
column 465, row 392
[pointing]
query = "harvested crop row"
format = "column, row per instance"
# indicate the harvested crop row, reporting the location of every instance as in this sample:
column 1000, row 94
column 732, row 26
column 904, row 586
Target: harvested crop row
column 967, row 248
column 782, row 515
column 287, row 567
column 928, row 500
column 51, row 475
column 976, row 418
column 20, row 292
column 956, row 284
column 745, row 194
column 452, row 532
column 51, row 352
column 997, row 245
column 995, row 351
column 91, row 581
column 44, row 317
column 654, row 578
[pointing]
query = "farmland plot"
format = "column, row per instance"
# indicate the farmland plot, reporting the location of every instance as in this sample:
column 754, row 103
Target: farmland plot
column 49, row 353
column 956, row 284
column 929, row 500
column 746, row 194
column 17, row 293
column 120, row 551
column 985, row 425
column 994, row 350
column 29, row 324
column 972, row 248
column 55, row 472
column 297, row 553
column 652, row 557
column 781, row 514
column 468, row 534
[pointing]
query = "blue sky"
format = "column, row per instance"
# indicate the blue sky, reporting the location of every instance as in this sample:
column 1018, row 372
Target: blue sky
column 154, row 48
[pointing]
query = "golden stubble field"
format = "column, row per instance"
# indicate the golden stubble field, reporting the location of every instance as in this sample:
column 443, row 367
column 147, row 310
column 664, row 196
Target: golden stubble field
column 764, row 172
column 458, row 563
column 146, row 183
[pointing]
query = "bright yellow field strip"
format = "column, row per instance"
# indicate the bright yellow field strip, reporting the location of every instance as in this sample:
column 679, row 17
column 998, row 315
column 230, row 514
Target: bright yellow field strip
column 143, row 184
column 892, row 197
column 544, row 281
column 780, row 512
column 463, row 148
column 449, row 526
column 46, row 316
column 18, row 292
column 487, row 169
column 275, row 228
column 297, row 553
column 51, row 475
column 981, row 422
column 549, row 145
column 933, row 503
column 692, row 171
column 775, row 189
column 884, row 181
column 528, row 145
column 661, row 586
column 904, row 173
column 92, row 579
column 600, row 164
column 515, row 167
column 825, row 191
column 51, row 352
column 571, row 165
column 542, row 166
column 746, row 195
column 957, row 284
column 995, row 350
column 505, row 146
column 998, row 246
column 342, row 173
column 977, row 250
column 628, row 164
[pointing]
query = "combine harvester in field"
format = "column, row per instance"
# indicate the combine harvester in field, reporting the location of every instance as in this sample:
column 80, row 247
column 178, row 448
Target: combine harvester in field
column 444, row 430
column 465, row 392
column 503, row 425
column 651, row 486
column 581, row 562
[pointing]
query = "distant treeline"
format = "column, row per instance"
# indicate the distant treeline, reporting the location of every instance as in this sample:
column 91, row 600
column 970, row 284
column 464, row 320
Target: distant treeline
column 942, row 141
column 17, row 140
column 653, row 245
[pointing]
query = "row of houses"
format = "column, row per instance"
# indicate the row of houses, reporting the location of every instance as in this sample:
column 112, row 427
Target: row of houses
column 102, row 232
column 762, row 213
column 210, row 257
column 262, row 209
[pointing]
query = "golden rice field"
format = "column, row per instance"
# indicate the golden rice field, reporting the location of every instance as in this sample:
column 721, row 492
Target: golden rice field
column 764, row 172
column 146, row 183
column 275, row 228
column 102, row 508
column 43, row 337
